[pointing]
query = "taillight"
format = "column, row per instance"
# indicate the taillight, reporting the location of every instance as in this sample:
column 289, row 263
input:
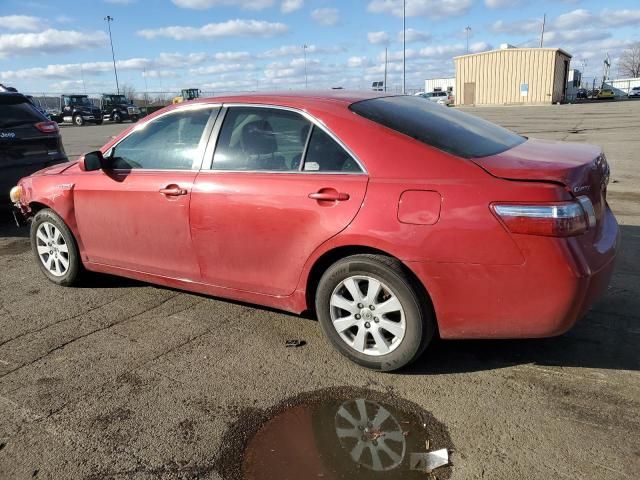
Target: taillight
column 562, row 219
column 47, row 127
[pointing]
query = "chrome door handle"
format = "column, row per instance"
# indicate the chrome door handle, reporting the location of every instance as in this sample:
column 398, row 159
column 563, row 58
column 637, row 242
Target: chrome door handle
column 330, row 196
column 173, row 191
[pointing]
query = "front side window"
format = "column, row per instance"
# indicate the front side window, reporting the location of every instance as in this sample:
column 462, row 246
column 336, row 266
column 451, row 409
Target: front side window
column 253, row 138
column 169, row 142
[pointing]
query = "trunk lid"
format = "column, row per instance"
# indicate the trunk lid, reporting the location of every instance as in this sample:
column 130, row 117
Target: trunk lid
column 581, row 168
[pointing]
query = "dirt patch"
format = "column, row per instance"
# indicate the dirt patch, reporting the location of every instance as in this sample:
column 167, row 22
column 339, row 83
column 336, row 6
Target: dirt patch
column 15, row 247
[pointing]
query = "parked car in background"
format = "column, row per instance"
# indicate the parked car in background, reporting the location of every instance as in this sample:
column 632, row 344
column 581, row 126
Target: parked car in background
column 118, row 108
column 606, row 94
column 77, row 109
column 29, row 141
column 582, row 93
column 634, row 92
column 443, row 98
column 390, row 217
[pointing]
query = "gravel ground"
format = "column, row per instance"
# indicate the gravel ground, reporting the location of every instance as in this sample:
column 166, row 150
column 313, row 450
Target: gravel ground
column 121, row 379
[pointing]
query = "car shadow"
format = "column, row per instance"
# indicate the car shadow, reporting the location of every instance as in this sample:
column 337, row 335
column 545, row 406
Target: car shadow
column 606, row 338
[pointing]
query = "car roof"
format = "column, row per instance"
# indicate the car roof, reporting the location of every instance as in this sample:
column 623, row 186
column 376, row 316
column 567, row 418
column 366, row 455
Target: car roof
column 296, row 99
column 11, row 98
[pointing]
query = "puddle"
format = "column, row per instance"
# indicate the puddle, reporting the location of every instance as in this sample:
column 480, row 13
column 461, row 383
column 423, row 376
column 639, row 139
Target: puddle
column 15, row 247
column 332, row 434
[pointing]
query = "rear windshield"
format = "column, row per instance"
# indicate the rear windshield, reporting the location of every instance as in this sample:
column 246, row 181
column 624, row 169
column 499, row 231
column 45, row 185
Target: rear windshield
column 16, row 110
column 441, row 127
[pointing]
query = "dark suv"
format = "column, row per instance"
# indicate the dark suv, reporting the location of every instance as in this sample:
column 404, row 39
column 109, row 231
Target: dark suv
column 29, row 141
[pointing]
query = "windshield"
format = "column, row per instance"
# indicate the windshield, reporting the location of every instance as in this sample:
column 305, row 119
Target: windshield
column 118, row 99
column 80, row 101
column 439, row 126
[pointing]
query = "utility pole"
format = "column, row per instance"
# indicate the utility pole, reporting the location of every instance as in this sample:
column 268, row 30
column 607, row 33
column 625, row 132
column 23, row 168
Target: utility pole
column 544, row 21
column 385, row 68
column 306, row 83
column 467, row 29
column 404, row 47
column 109, row 19
column 84, row 86
column 146, row 89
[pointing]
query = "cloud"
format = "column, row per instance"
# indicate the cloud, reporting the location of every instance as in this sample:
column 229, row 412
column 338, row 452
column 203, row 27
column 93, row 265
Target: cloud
column 24, row 23
column 231, row 56
column 159, row 73
column 422, row 8
column 288, row 6
column 355, row 62
column 230, row 28
column 222, row 68
column 413, row 35
column 205, row 4
column 378, row 38
column 501, row 3
column 326, row 16
column 49, row 41
column 533, row 25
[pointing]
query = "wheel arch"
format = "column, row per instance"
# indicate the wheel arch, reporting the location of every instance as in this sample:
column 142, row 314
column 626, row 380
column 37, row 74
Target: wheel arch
column 328, row 258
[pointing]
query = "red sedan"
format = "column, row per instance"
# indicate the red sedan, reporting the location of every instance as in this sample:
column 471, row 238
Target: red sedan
column 392, row 218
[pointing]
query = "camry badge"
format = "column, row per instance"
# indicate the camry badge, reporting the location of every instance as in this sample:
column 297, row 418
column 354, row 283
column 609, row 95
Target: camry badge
column 582, row 188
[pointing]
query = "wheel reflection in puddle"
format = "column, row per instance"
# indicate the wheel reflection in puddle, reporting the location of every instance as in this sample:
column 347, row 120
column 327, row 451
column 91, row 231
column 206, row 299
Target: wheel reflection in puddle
column 337, row 433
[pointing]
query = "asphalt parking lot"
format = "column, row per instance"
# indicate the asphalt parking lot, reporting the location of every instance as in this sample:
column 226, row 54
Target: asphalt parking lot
column 120, row 379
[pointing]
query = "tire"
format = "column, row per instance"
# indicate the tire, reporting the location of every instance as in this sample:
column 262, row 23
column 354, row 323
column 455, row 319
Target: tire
column 78, row 121
column 117, row 118
column 98, row 122
column 375, row 347
column 134, row 119
column 48, row 227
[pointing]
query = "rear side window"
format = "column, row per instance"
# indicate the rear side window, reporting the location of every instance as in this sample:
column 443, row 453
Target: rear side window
column 15, row 111
column 441, row 127
column 325, row 155
column 255, row 138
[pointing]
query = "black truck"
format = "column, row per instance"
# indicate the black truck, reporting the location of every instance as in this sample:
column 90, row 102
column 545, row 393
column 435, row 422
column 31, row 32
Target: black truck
column 77, row 109
column 118, row 108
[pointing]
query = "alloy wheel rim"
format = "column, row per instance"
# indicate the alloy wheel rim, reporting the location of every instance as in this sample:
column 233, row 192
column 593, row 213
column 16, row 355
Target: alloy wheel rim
column 52, row 248
column 370, row 434
column 367, row 315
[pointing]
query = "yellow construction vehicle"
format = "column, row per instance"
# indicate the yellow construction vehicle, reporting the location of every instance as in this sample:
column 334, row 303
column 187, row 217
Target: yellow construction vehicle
column 187, row 94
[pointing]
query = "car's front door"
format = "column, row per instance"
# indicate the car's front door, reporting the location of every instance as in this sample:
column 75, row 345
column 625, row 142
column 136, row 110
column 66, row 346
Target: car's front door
column 135, row 215
column 279, row 187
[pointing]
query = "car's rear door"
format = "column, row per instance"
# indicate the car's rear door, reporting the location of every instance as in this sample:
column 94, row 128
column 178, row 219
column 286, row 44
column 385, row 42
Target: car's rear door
column 279, row 186
column 136, row 215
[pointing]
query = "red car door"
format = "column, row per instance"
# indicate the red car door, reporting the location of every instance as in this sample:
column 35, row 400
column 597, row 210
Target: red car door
column 278, row 188
column 136, row 215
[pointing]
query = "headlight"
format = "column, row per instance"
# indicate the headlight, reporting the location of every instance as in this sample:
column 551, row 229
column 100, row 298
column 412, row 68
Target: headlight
column 15, row 194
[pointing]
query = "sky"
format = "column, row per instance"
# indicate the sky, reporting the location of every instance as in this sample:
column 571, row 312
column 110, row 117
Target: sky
column 239, row 45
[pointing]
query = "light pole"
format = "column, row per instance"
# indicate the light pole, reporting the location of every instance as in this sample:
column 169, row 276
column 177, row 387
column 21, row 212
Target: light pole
column 109, row 19
column 467, row 29
column 304, row 49
column 404, row 47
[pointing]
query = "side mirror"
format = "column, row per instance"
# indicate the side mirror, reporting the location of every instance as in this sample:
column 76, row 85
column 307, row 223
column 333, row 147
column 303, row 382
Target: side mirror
column 93, row 161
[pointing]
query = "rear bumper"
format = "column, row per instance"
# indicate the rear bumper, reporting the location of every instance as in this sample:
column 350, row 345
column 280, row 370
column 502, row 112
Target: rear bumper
column 543, row 297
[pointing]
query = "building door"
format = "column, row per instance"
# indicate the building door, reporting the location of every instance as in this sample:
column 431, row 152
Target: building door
column 469, row 93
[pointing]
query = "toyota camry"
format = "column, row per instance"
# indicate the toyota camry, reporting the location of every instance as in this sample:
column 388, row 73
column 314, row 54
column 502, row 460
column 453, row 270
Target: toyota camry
column 392, row 218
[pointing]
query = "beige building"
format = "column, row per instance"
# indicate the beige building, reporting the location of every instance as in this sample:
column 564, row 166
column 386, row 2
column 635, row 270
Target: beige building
column 512, row 76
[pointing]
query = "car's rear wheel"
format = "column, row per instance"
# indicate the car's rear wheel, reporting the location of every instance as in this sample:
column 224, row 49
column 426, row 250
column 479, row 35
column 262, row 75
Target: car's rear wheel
column 371, row 312
column 55, row 248
column 78, row 120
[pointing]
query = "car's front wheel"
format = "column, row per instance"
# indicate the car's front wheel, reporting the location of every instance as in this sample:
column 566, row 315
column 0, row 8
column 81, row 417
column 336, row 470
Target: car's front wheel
column 55, row 248
column 372, row 313
column 78, row 120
